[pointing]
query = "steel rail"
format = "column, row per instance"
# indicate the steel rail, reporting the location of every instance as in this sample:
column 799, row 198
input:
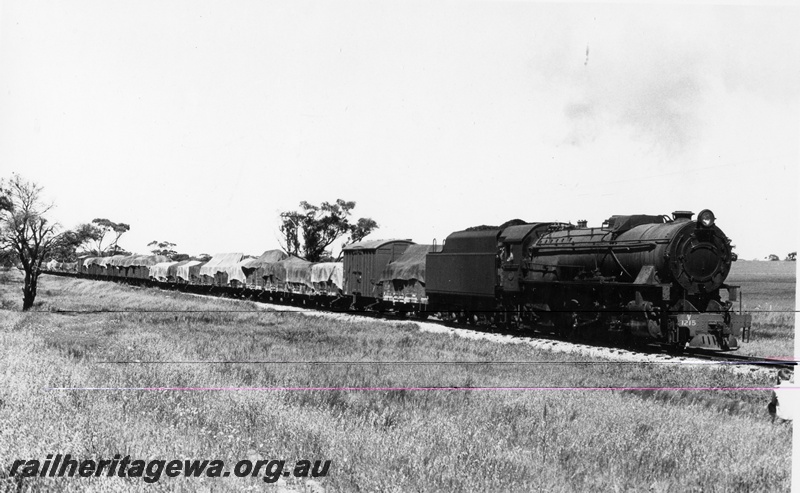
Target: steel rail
column 532, row 333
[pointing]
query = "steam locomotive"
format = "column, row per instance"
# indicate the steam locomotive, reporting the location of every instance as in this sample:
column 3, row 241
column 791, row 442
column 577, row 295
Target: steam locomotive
column 642, row 278
column 637, row 277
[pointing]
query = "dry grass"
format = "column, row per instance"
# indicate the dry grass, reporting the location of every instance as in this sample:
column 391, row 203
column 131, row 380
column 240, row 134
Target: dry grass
column 768, row 290
column 378, row 440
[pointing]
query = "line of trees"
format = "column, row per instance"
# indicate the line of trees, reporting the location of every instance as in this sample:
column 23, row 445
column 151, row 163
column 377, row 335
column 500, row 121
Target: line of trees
column 28, row 239
column 88, row 238
column 792, row 256
column 306, row 233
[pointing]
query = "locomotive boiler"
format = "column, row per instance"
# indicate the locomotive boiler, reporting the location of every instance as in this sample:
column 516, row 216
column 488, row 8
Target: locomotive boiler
column 647, row 277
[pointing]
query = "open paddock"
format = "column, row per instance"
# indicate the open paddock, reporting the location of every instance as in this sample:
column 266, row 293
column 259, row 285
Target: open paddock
column 768, row 293
column 489, row 435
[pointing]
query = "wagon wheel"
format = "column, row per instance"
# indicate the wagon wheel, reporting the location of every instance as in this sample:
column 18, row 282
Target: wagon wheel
column 466, row 318
column 497, row 321
column 445, row 316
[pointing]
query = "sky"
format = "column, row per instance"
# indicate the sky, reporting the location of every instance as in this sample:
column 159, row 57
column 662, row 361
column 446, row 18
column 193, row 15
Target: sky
column 197, row 122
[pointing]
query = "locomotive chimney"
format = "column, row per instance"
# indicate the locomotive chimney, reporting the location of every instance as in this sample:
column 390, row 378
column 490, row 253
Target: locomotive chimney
column 682, row 215
column 582, row 223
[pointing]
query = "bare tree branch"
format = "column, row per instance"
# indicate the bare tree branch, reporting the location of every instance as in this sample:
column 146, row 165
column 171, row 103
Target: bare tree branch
column 25, row 232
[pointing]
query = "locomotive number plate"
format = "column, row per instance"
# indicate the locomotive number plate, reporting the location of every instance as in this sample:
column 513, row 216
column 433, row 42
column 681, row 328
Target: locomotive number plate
column 698, row 321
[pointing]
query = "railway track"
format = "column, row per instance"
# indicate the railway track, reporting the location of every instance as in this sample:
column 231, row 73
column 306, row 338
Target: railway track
column 256, row 296
column 727, row 358
column 739, row 359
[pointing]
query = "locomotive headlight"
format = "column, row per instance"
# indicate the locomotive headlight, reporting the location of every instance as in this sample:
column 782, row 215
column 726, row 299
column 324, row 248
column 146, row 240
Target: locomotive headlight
column 706, row 218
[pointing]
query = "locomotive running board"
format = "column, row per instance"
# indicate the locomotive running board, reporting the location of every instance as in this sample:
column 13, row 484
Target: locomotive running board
column 664, row 288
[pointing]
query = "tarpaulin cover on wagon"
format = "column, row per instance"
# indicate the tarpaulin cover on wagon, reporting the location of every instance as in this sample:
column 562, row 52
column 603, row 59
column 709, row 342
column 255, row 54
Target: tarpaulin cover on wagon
column 410, row 265
column 137, row 260
column 327, row 271
column 297, row 270
column 160, row 271
column 268, row 257
column 91, row 261
column 173, row 269
column 226, row 263
column 290, row 270
column 183, row 270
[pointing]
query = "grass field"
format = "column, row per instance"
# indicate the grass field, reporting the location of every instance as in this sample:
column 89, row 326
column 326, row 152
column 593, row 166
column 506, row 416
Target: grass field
column 396, row 440
column 768, row 293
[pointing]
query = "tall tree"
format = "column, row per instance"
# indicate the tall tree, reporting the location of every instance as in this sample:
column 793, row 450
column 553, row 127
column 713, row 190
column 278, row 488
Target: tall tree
column 70, row 243
column 115, row 229
column 25, row 232
column 308, row 233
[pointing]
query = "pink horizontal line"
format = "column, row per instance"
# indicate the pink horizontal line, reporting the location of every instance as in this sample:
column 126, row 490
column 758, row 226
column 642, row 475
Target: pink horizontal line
column 385, row 389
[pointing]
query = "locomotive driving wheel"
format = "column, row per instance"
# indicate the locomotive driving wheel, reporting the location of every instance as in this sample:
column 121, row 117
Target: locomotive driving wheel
column 504, row 318
column 568, row 320
column 510, row 317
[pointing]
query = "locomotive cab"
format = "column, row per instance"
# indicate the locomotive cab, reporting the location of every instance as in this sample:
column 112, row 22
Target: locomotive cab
column 515, row 241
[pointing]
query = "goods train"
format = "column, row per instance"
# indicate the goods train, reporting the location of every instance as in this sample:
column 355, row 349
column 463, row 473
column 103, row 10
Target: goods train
column 636, row 278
